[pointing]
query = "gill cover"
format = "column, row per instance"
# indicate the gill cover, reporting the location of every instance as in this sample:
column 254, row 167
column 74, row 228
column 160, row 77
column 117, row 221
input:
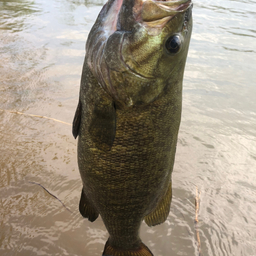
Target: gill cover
column 136, row 47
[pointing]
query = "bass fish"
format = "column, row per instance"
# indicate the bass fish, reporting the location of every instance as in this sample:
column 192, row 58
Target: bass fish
column 128, row 116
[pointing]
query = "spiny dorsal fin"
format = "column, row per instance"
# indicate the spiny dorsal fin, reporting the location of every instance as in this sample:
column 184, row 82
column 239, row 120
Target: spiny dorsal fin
column 77, row 120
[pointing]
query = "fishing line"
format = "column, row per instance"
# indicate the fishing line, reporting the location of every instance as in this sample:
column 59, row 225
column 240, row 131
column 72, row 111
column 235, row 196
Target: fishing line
column 32, row 182
column 31, row 115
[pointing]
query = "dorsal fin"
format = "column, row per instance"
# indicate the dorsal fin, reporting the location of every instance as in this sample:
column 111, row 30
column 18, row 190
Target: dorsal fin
column 77, row 120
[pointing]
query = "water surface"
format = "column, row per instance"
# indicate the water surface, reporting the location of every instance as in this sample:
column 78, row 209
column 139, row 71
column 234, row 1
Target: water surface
column 42, row 47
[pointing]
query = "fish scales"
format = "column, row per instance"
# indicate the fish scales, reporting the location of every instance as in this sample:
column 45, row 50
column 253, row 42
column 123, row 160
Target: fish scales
column 139, row 144
column 128, row 118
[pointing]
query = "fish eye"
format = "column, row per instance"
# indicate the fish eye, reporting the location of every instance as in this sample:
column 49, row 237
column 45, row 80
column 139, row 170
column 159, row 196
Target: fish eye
column 173, row 44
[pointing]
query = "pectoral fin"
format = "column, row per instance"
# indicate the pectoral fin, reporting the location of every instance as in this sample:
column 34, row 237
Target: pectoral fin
column 77, row 120
column 161, row 212
column 103, row 125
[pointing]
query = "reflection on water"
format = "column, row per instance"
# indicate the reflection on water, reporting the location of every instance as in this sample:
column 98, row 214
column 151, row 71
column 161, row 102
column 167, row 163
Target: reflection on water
column 86, row 2
column 14, row 14
column 42, row 51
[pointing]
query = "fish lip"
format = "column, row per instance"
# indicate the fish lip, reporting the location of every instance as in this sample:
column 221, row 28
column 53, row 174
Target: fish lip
column 185, row 5
column 166, row 10
column 169, row 3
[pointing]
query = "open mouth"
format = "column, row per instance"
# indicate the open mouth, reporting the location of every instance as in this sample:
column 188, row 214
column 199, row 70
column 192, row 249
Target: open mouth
column 157, row 10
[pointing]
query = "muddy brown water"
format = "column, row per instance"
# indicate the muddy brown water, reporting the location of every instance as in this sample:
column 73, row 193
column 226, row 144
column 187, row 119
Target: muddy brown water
column 42, row 51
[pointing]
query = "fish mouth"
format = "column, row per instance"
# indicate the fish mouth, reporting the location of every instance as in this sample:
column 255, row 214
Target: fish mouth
column 155, row 13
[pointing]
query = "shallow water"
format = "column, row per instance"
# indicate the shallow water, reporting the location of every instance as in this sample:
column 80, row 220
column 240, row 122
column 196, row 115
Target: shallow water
column 42, row 51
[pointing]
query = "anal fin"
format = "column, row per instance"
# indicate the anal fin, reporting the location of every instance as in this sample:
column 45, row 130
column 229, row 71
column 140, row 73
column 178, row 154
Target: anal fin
column 161, row 212
column 86, row 208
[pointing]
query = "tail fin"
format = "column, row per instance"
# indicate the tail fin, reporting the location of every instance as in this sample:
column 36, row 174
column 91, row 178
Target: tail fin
column 142, row 250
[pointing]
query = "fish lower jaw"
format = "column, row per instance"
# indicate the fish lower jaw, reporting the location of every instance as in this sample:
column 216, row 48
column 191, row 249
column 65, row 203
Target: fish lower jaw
column 157, row 11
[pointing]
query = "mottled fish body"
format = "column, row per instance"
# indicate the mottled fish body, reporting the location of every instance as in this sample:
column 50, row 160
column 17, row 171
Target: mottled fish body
column 128, row 116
